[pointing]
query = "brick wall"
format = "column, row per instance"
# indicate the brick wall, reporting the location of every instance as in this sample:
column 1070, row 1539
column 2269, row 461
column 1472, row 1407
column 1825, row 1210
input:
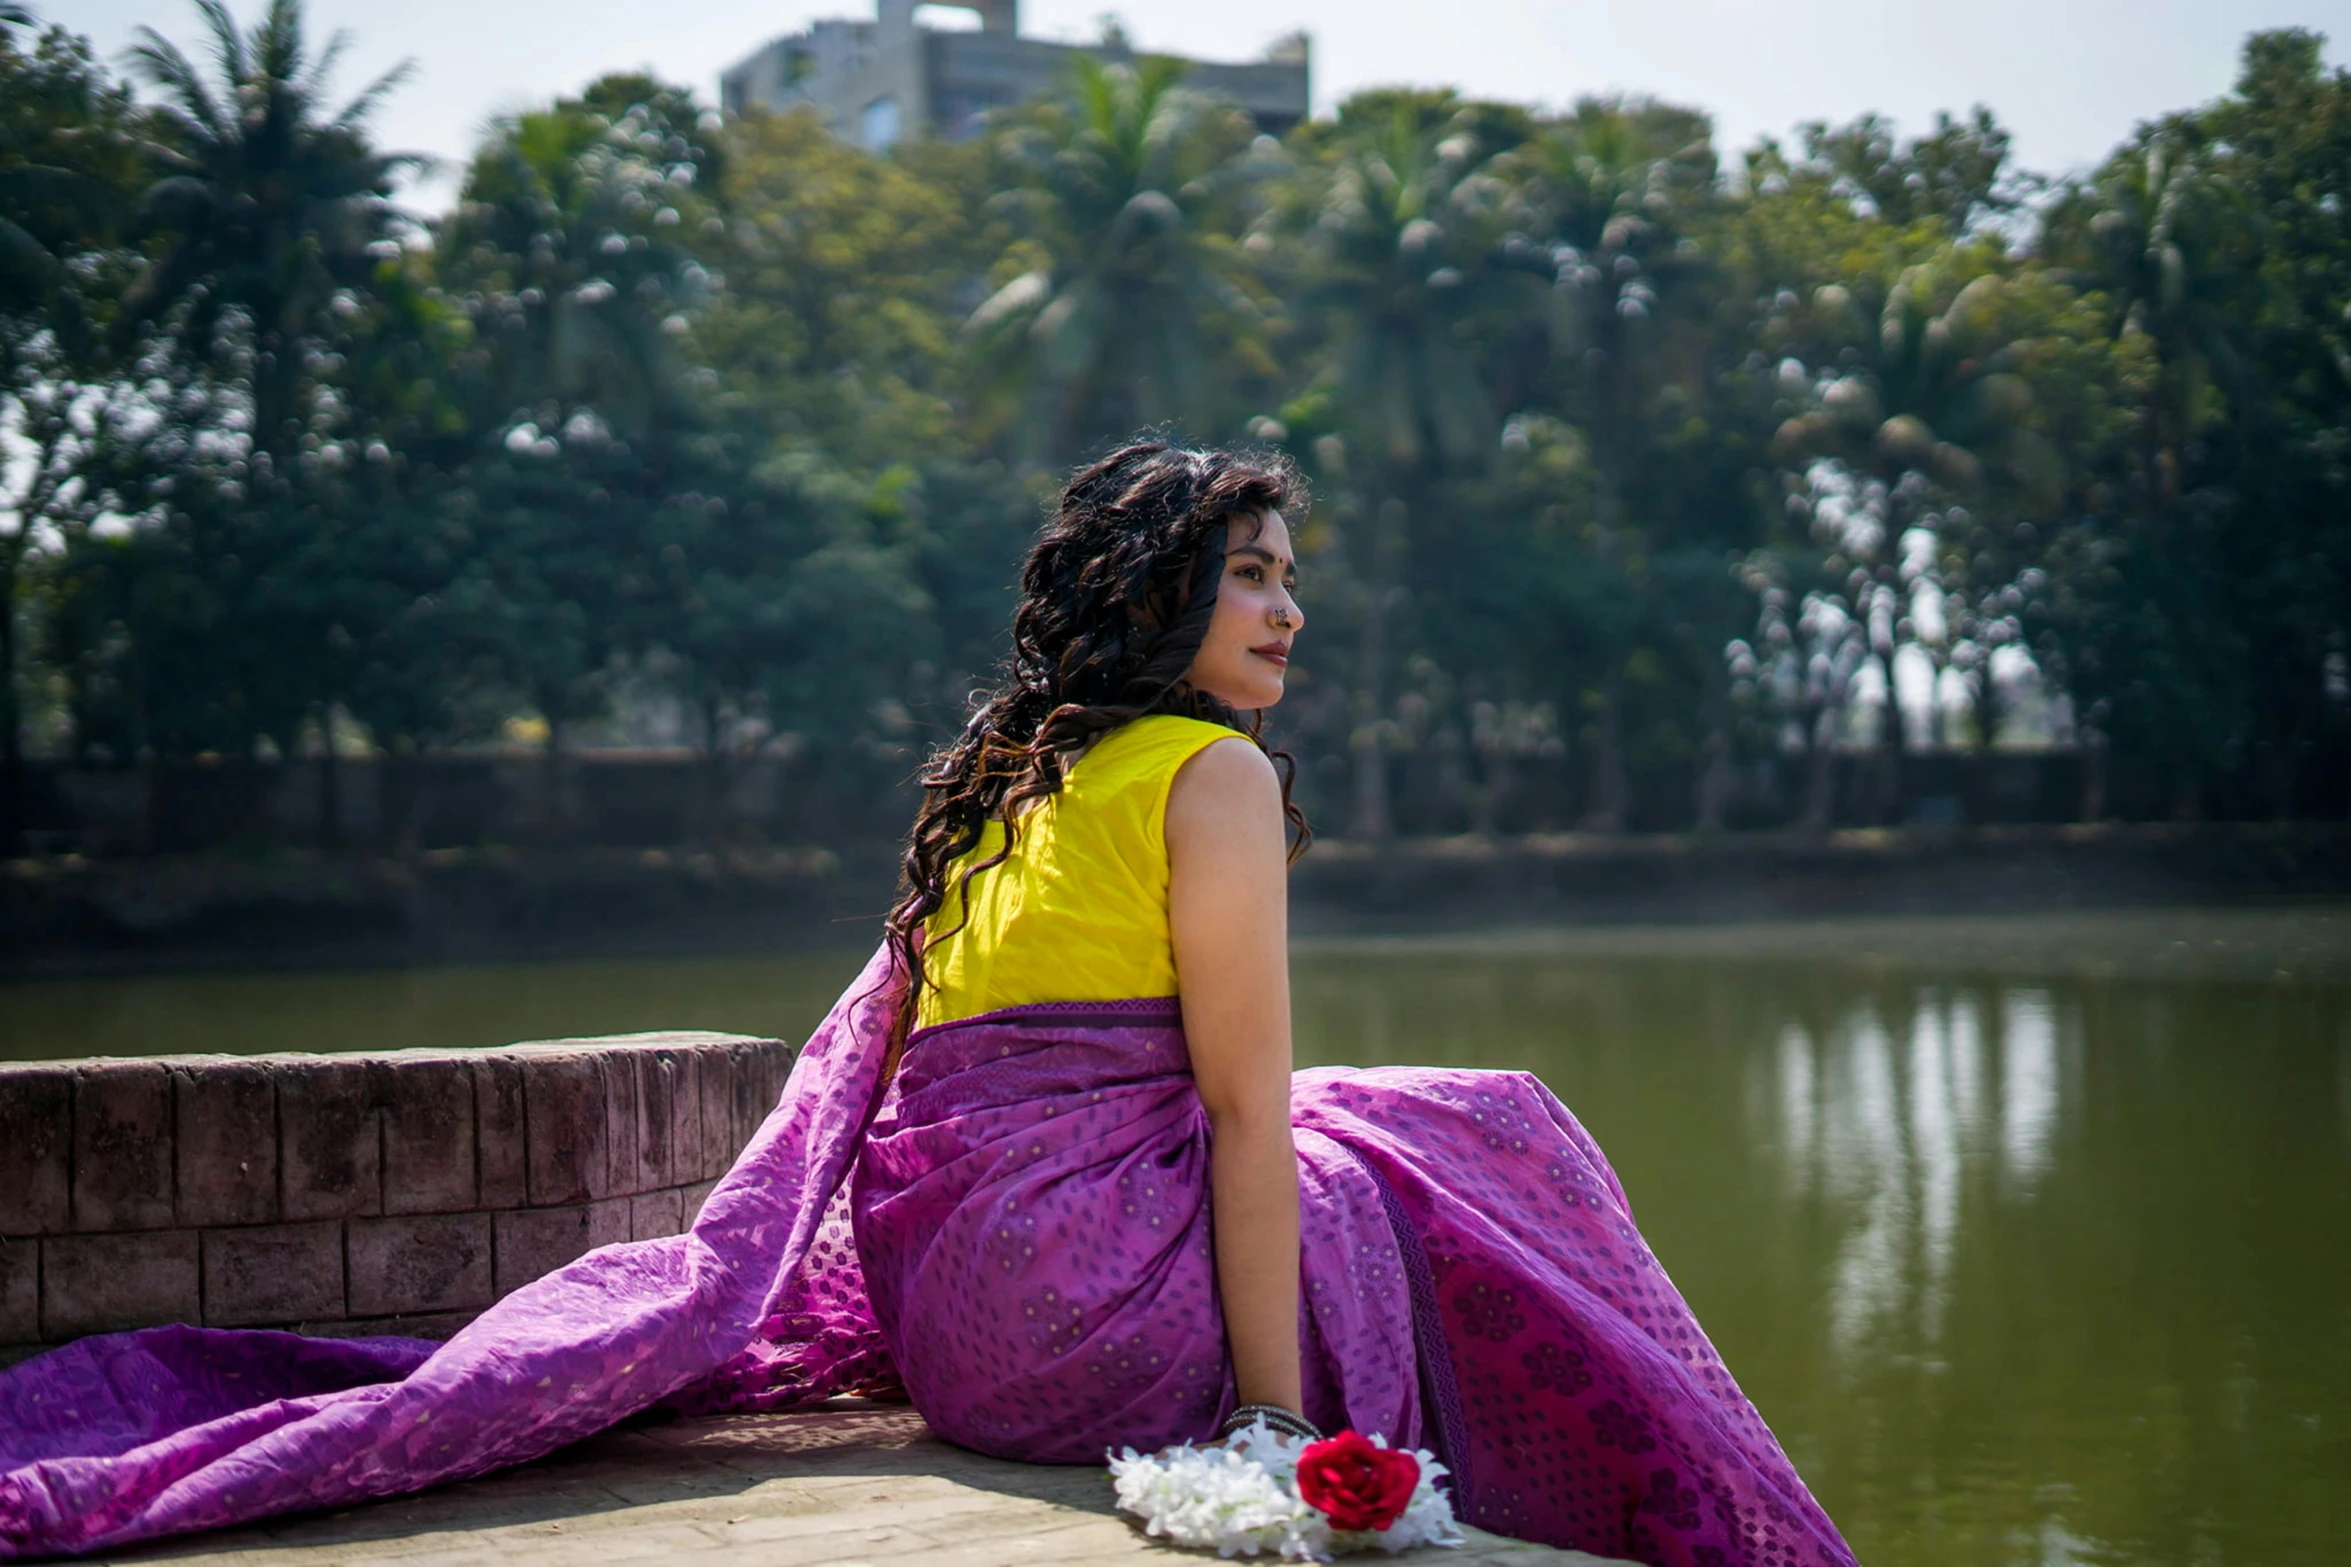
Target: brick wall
column 341, row 1194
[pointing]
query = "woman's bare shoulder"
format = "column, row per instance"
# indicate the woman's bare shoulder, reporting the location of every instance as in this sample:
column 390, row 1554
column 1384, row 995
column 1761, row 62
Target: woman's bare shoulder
column 1223, row 784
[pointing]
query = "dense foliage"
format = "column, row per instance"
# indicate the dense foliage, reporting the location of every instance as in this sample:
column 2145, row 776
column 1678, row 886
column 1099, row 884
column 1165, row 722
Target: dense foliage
column 728, row 434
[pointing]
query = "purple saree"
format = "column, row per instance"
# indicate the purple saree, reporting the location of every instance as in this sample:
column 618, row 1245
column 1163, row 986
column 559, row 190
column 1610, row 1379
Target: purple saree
column 1019, row 1234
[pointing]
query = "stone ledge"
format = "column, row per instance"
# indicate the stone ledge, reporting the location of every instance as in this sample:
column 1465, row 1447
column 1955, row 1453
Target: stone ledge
column 275, row 1191
column 847, row 1482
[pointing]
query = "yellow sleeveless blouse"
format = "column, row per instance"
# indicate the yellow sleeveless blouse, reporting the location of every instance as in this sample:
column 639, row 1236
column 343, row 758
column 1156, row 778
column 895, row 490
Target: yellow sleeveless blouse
column 1078, row 910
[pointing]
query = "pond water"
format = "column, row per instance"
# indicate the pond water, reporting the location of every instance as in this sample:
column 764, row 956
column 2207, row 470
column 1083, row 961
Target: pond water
column 2031, row 1239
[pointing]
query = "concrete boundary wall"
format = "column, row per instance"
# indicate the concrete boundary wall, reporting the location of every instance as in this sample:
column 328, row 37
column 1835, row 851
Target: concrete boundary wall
column 341, row 1194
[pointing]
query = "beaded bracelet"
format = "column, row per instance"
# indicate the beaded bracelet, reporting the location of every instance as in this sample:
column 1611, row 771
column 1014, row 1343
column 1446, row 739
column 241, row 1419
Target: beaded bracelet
column 1274, row 1415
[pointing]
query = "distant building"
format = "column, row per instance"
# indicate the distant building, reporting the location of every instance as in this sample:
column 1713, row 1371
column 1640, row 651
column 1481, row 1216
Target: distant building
column 877, row 81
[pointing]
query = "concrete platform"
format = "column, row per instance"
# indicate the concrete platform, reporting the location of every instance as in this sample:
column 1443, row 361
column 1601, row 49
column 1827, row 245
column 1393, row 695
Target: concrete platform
column 839, row 1486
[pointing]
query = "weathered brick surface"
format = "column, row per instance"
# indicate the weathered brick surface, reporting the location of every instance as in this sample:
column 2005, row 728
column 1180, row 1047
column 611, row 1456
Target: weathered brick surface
column 122, row 1146
column 289, row 1190
column 420, row 1263
column 329, row 1137
column 567, row 1131
column 775, row 1070
column 751, row 1100
column 272, row 1273
column 718, row 1111
column 100, row 1283
column 657, row 1087
column 227, row 1146
column 429, row 1135
column 36, row 1141
column 655, row 1214
column 743, row 1107
column 734, row 1094
column 499, row 1131
column 20, row 1291
column 685, row 1117
column 624, row 1166
column 533, row 1242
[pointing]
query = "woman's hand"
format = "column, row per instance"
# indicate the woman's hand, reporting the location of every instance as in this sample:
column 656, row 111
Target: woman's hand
column 1228, row 913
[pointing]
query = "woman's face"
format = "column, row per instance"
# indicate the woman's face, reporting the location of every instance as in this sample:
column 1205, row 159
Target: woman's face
column 1246, row 654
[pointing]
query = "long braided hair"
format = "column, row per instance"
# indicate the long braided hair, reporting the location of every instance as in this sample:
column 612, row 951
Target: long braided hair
column 1116, row 597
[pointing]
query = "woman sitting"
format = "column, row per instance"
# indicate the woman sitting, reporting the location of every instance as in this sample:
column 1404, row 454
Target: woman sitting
column 1046, row 1166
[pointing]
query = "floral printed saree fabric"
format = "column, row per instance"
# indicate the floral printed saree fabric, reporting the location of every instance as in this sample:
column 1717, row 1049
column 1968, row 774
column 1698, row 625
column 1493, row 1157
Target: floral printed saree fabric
column 1017, row 1235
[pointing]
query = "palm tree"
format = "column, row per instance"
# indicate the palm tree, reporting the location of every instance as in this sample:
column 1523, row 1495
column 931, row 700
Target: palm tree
column 2171, row 243
column 2165, row 240
column 1611, row 190
column 1402, row 232
column 270, row 208
column 1137, row 299
column 1931, row 409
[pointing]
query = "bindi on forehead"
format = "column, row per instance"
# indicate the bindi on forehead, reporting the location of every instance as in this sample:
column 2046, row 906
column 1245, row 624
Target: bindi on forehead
column 1260, row 552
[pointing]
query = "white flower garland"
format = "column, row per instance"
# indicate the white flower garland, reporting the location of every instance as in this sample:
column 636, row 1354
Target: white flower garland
column 1241, row 1497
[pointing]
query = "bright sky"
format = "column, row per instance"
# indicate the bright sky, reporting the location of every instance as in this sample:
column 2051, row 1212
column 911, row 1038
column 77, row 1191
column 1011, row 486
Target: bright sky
column 2069, row 77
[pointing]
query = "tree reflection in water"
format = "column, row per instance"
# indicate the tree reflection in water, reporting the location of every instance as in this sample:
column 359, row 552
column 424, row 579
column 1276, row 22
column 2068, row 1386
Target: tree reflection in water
column 2022, row 1268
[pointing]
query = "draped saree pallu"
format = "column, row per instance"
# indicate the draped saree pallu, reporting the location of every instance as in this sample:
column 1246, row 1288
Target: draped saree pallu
column 1018, row 1234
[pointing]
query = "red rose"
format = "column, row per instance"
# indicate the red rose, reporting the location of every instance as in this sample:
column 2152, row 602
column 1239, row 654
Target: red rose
column 1355, row 1484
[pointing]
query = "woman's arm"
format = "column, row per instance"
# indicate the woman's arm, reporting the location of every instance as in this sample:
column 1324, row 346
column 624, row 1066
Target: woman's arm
column 1228, row 912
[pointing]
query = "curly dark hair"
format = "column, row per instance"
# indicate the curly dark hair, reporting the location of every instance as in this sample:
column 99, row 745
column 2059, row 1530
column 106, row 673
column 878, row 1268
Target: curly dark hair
column 1116, row 597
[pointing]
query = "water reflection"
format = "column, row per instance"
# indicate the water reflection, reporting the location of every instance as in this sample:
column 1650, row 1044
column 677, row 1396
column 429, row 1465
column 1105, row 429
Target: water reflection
column 2028, row 1083
column 1891, row 1122
column 2029, row 1272
column 1797, row 1118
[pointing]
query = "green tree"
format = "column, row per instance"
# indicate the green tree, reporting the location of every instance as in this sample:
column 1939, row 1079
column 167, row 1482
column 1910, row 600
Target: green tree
column 1398, row 217
column 271, row 261
column 1618, row 194
column 660, row 497
column 2288, row 134
column 573, row 253
column 2166, row 241
column 1957, row 177
column 273, row 211
column 1128, row 305
column 838, row 327
column 836, row 340
column 2203, row 619
column 1906, row 419
column 69, row 161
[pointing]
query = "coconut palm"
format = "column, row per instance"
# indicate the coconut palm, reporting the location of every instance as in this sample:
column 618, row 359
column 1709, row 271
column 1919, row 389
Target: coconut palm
column 2166, row 241
column 1136, row 304
column 270, row 205
column 1609, row 192
column 2172, row 243
column 69, row 157
column 1404, row 264
column 1930, row 386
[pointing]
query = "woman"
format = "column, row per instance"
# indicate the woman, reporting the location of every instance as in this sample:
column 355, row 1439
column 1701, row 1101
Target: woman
column 1046, row 1166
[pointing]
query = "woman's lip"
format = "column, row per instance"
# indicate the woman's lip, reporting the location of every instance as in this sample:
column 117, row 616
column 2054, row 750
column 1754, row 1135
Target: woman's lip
column 1274, row 651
